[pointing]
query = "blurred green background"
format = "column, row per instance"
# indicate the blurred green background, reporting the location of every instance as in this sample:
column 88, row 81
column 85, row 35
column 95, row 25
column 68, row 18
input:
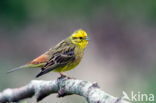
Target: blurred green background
column 121, row 55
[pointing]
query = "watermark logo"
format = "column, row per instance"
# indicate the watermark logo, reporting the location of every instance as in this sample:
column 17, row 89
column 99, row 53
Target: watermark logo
column 139, row 97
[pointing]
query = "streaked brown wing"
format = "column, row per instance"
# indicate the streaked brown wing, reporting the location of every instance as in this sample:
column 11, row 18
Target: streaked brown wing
column 60, row 58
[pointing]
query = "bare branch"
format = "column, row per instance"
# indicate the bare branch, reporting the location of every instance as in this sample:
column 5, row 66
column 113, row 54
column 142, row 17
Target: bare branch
column 62, row 86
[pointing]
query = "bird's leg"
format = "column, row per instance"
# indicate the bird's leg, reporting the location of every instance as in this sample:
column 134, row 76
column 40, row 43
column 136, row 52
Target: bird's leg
column 63, row 76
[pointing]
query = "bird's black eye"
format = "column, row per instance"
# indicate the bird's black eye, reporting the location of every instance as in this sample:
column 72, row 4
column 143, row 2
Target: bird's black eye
column 81, row 38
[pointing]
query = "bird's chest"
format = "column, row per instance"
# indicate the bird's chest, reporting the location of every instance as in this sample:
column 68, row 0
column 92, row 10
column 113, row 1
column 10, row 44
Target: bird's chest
column 78, row 54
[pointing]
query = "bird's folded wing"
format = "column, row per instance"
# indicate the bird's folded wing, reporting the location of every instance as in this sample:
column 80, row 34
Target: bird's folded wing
column 59, row 59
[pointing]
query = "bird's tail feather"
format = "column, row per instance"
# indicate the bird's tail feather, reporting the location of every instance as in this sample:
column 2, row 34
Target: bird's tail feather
column 18, row 68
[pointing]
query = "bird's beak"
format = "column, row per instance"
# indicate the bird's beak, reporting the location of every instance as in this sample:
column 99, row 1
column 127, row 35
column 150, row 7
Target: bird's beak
column 87, row 38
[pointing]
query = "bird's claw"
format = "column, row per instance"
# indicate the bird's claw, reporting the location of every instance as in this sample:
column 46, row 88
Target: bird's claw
column 65, row 76
column 62, row 76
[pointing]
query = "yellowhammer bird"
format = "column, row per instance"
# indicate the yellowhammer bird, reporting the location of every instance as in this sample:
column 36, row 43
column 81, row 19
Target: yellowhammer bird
column 65, row 56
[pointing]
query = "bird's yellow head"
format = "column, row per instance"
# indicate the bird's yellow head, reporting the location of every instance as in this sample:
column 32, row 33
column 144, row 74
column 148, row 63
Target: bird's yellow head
column 80, row 37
